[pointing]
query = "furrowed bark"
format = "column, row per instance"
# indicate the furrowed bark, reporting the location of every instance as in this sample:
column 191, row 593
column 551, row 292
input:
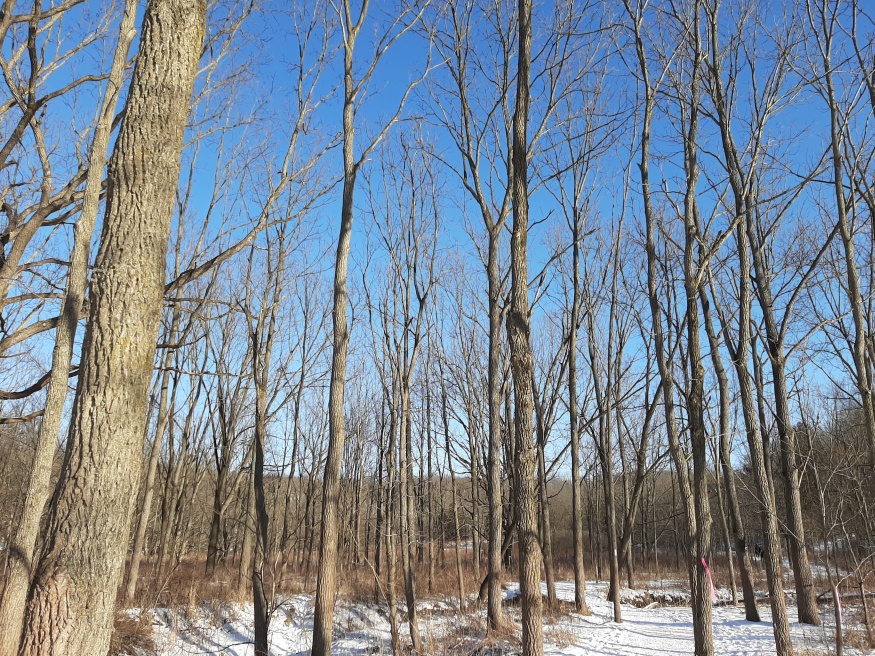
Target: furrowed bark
column 20, row 565
column 81, row 564
column 521, row 361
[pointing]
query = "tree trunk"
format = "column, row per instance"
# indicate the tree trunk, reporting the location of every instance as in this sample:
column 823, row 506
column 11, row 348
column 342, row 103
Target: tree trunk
column 260, row 599
column 23, row 544
column 494, row 615
column 521, row 361
column 79, row 570
column 460, row 579
column 326, row 588
column 546, row 528
column 408, row 525
column 576, row 502
column 735, row 523
column 701, row 610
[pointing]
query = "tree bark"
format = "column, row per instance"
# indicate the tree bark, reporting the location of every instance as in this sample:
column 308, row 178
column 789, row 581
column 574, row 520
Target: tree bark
column 691, row 513
column 23, row 544
column 80, row 566
column 521, row 361
column 751, row 612
column 576, row 503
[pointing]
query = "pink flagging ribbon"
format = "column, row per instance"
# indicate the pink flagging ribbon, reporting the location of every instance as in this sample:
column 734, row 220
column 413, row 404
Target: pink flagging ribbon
column 710, row 580
column 838, row 597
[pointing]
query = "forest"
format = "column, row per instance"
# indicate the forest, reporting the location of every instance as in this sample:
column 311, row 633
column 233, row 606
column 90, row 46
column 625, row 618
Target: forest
column 498, row 324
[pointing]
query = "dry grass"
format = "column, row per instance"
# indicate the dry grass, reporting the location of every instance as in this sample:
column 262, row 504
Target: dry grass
column 559, row 610
column 131, row 636
column 560, row 635
column 466, row 635
column 186, row 585
column 358, row 584
column 856, row 638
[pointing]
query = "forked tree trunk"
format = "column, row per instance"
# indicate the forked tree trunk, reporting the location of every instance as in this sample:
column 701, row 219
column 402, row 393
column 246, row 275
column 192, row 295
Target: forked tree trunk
column 20, row 567
column 739, row 353
column 701, row 611
column 71, row 604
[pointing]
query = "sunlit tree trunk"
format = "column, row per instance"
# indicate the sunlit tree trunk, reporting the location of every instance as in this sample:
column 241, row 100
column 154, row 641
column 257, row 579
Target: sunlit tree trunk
column 24, row 542
column 81, row 563
column 521, row 361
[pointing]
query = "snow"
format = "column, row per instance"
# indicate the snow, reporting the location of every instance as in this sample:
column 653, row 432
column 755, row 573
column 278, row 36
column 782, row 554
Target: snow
column 363, row 628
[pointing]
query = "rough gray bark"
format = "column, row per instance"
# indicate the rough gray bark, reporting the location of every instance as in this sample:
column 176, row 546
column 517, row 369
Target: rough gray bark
column 262, row 332
column 766, row 496
column 352, row 25
column 521, row 361
column 694, row 265
column 326, row 587
column 23, row 544
column 743, row 205
column 81, row 564
column 460, row 51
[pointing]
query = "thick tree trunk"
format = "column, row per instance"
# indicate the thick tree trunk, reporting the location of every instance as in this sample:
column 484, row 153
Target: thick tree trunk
column 521, row 361
column 79, row 570
column 23, row 544
column 694, row 263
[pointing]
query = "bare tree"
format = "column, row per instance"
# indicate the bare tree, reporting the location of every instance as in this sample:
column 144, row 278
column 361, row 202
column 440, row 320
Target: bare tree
column 696, row 516
column 76, row 579
column 22, row 548
column 351, row 24
column 521, row 361
column 404, row 204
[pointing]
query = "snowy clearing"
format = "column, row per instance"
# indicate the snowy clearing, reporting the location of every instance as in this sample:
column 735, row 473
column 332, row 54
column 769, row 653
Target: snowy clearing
column 364, row 629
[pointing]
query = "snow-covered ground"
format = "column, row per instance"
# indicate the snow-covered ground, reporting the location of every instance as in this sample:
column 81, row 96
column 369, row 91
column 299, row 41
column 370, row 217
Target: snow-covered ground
column 364, row 629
